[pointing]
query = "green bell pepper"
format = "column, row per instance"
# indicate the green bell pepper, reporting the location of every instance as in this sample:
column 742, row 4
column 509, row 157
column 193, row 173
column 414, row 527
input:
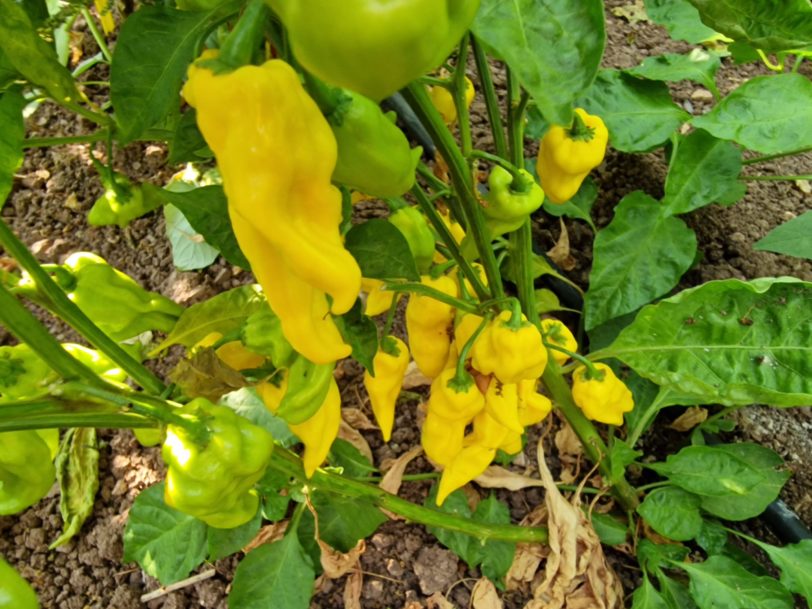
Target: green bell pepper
column 15, row 592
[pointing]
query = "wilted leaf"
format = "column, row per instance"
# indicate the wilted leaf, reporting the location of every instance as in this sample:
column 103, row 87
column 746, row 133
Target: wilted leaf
column 337, row 564
column 354, row 437
column 484, row 595
column 392, row 479
column 496, row 476
column 689, row 419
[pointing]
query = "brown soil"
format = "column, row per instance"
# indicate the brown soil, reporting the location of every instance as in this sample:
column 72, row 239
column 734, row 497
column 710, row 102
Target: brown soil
column 402, row 565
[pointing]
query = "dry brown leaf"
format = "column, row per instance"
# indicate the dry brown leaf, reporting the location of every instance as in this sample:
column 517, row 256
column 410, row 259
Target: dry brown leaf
column 484, row 595
column 569, row 453
column 576, row 574
column 267, row 534
column 354, row 437
column 357, row 419
column 560, row 252
column 393, row 478
column 633, row 13
column 804, row 185
column 499, row 477
column 415, row 378
column 526, row 561
column 438, row 601
column 689, row 419
column 352, row 590
column 337, row 564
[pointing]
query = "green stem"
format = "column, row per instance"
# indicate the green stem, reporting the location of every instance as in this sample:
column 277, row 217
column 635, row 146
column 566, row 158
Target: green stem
column 517, row 103
column 434, row 182
column 595, row 373
column 769, row 157
column 22, row 323
column 521, row 245
column 424, row 290
column 491, row 100
column 462, row 374
column 94, row 117
column 97, row 35
column 466, row 143
column 427, row 207
column 653, row 485
column 60, row 413
column 808, row 176
column 63, row 307
column 284, row 461
column 461, row 178
column 238, row 48
column 520, row 181
column 592, row 442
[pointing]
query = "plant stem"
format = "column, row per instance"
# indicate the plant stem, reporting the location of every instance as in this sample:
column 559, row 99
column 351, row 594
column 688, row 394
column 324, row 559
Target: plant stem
column 448, row 239
column 593, row 444
column 778, row 155
column 434, row 182
column 808, row 176
column 463, row 119
column 94, row 117
column 64, row 308
column 461, row 178
column 284, row 461
column 425, row 290
column 59, row 412
column 491, row 100
column 47, row 142
column 97, row 35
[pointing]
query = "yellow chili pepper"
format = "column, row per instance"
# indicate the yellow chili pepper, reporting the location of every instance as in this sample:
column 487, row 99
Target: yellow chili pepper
column 511, row 351
column 443, row 100
column 428, row 322
column 384, row 388
column 605, row 399
column 557, row 333
column 378, row 300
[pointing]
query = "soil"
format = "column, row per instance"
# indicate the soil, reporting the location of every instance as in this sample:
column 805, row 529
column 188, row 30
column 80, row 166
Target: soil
column 403, row 565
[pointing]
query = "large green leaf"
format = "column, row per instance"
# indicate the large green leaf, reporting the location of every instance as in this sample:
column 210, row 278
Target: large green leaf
column 680, row 18
column 647, row 597
column 155, row 46
column 794, row 561
column 720, row 583
column 274, row 575
column 770, row 25
column 791, row 238
column 556, row 41
column 343, row 521
column 764, row 114
column 224, row 542
column 703, row 170
column 729, row 342
column 381, row 251
column 30, row 55
column 639, row 256
column 639, row 114
column 672, row 512
column 11, row 144
column 167, row 543
column 698, row 66
column 189, row 248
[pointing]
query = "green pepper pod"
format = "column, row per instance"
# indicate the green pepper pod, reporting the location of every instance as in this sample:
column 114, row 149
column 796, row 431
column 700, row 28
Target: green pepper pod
column 413, row 225
column 26, row 470
column 15, row 592
column 307, row 386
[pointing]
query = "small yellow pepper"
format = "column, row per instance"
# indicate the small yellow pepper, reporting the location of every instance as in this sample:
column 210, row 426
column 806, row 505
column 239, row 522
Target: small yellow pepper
column 443, row 100
column 378, row 300
column 502, row 403
column 390, row 365
column 428, row 323
column 602, row 399
column 533, row 406
column 557, row 333
column 511, row 349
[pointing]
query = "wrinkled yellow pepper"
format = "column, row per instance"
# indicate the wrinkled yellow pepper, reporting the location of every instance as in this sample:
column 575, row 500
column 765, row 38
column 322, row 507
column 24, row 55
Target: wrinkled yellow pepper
column 557, row 333
column 276, row 153
column 428, row 322
column 602, row 399
column 384, row 388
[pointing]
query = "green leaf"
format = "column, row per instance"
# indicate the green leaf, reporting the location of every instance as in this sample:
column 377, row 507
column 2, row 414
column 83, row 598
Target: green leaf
column 770, row 25
column 580, row 206
column 246, row 403
column 464, row 546
column 734, row 481
column 680, row 18
column 672, row 512
column 794, row 561
column 712, row 537
column 497, row 556
column 343, row 521
column 675, row 594
column 764, row 114
column 224, row 542
column 11, row 144
column 521, row 32
column 720, row 583
column 274, row 501
column 652, row 556
column 279, row 574
column 155, row 46
column 223, row 313
column 31, row 56
column 728, row 342
column 361, row 333
column 647, row 597
column 381, row 251
column 77, row 471
column 639, row 256
column 703, row 170
column 350, row 459
column 187, row 144
column 621, row 455
column 166, row 543
column 189, row 251
column 791, row 238
column 206, row 210
column 698, row 66
column 610, row 530
column 639, row 114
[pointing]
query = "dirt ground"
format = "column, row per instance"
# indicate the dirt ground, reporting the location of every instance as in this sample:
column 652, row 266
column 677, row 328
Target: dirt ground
column 403, row 564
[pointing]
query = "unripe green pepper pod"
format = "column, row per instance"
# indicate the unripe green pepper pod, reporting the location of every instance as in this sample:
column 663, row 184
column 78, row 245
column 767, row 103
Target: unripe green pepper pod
column 307, row 386
column 414, row 227
column 15, row 592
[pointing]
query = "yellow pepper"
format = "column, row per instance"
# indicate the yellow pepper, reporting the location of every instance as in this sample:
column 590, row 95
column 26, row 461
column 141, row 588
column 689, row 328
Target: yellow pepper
column 442, row 438
column 567, row 155
column 428, row 322
column 384, row 388
column 378, row 300
column 443, row 100
column 276, row 153
column 557, row 333
column 502, row 403
column 533, row 406
column 467, row 324
column 602, row 399
column 468, row 463
column 510, row 349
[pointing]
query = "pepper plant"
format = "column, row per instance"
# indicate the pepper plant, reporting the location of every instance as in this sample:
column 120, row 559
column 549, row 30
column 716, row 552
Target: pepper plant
column 284, row 100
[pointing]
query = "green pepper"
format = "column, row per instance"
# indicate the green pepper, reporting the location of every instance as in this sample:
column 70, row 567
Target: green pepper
column 114, row 301
column 26, row 470
column 307, row 386
column 122, row 202
column 262, row 333
column 214, row 482
column 507, row 208
column 23, row 375
column 374, row 156
column 374, row 48
column 414, row 227
column 15, row 592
